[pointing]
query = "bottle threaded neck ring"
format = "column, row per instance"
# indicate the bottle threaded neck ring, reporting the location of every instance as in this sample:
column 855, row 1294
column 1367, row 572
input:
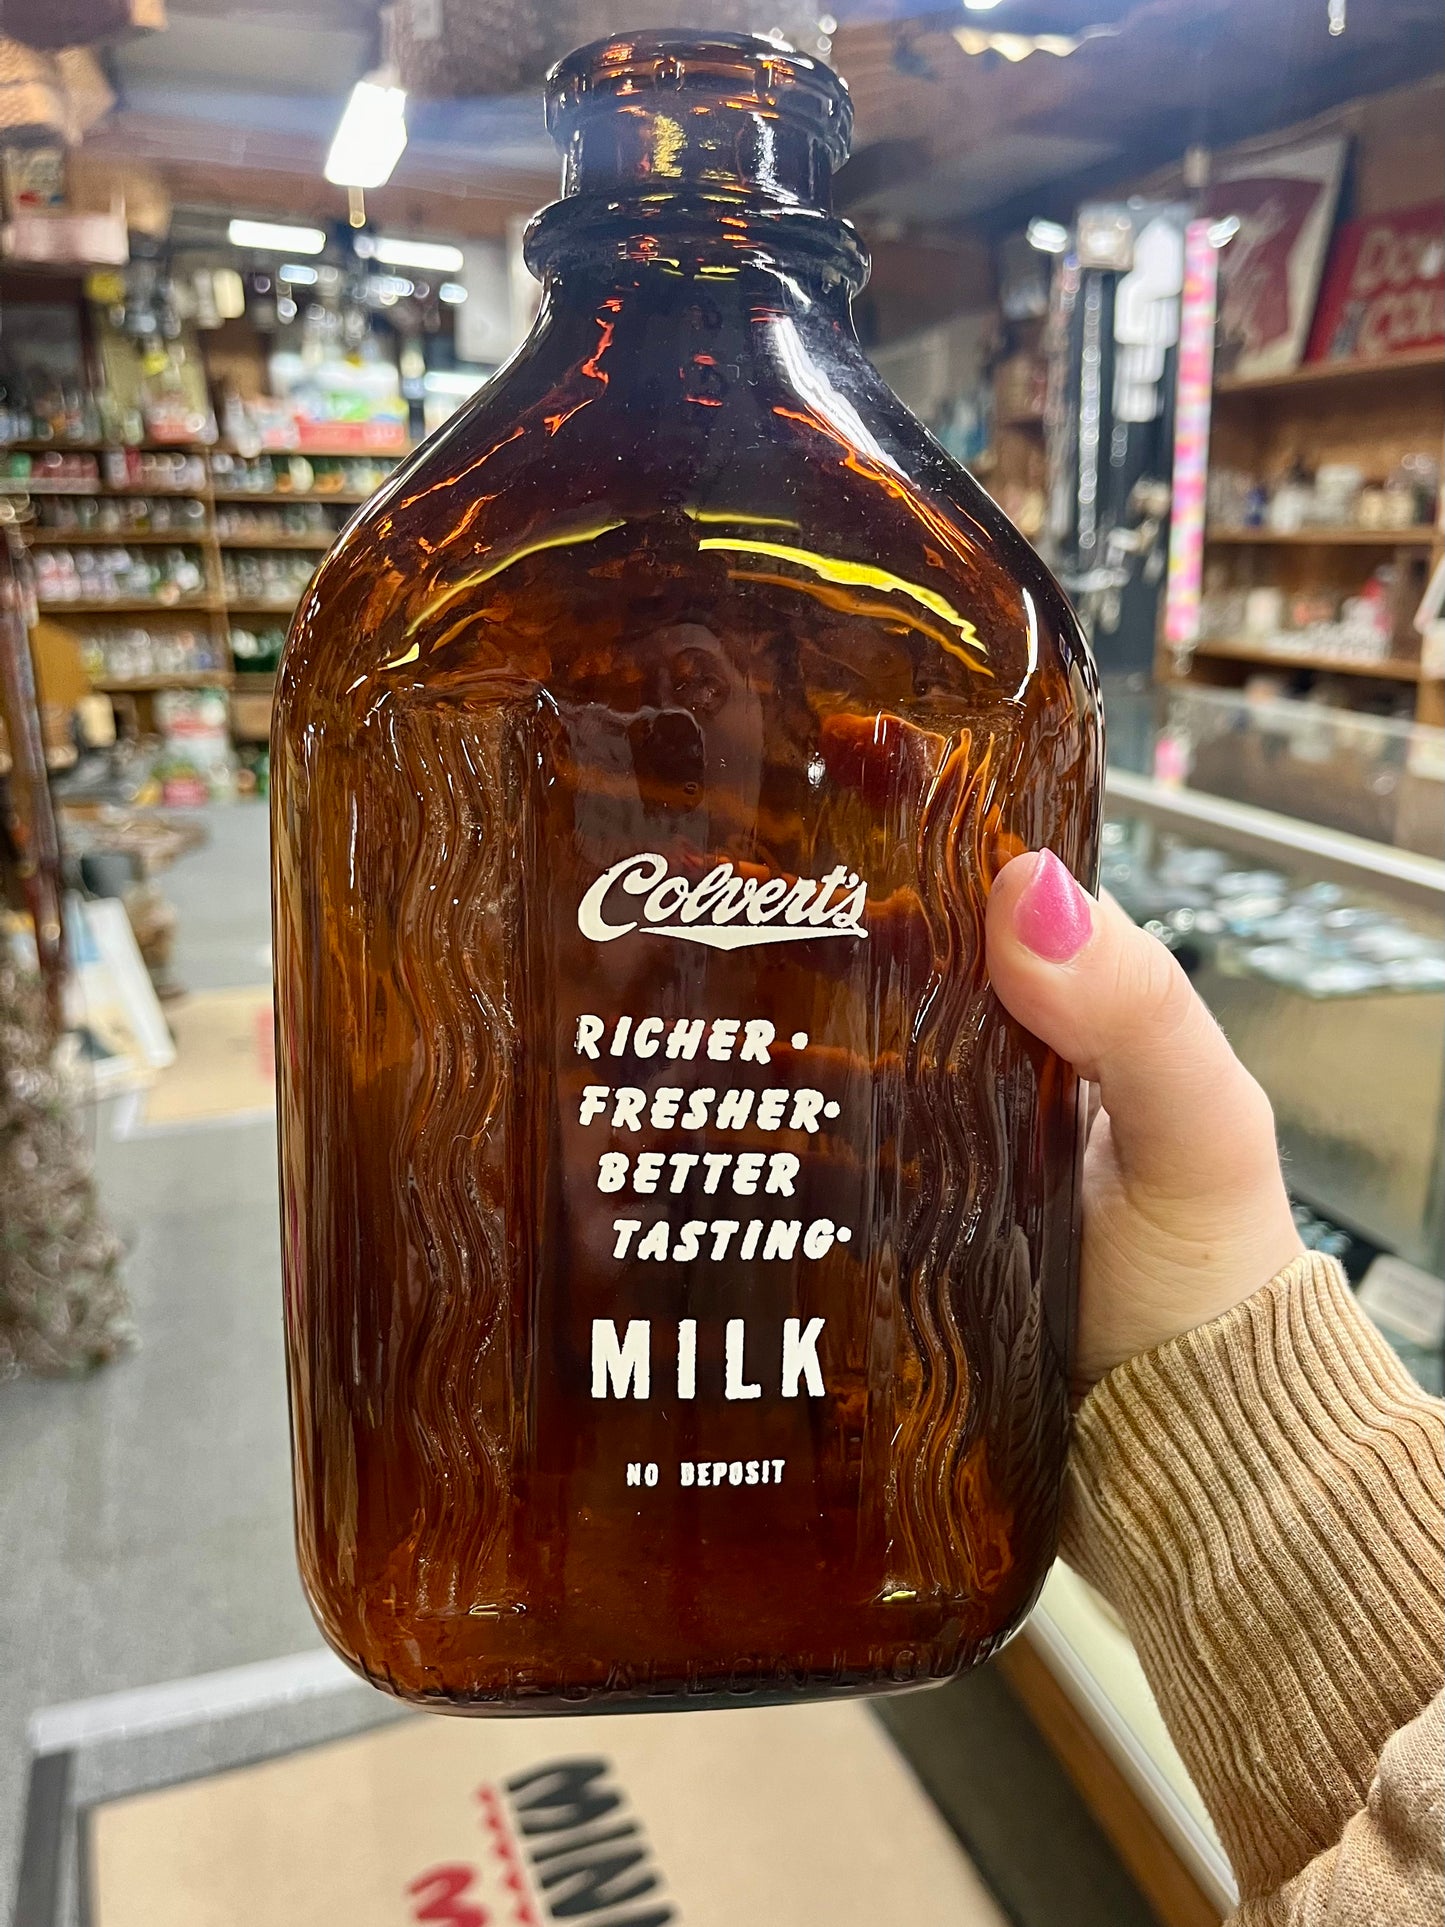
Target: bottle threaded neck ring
column 716, row 109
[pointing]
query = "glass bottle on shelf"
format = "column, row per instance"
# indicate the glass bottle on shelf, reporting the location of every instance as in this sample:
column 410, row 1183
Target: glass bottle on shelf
column 679, row 1240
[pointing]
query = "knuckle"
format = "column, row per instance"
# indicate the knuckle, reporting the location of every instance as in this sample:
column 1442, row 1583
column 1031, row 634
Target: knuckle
column 1152, row 991
column 1255, row 1112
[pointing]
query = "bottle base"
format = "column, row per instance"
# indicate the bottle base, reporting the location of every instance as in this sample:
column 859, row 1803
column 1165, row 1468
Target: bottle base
column 519, row 1694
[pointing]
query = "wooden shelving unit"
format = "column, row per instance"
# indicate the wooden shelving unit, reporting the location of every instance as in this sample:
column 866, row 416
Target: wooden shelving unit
column 1336, row 374
column 1367, row 415
column 149, row 685
column 318, row 542
column 1261, row 655
column 111, row 538
column 1322, row 538
column 346, row 498
column 143, row 606
column 250, row 690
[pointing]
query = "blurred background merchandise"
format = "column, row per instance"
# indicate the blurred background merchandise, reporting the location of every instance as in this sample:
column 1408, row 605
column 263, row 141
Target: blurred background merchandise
column 1168, row 279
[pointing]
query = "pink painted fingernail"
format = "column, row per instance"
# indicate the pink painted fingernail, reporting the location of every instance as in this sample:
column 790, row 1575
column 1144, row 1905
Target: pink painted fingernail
column 1053, row 917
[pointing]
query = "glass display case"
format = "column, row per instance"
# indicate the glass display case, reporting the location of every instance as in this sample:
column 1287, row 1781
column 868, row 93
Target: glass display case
column 1321, row 952
column 1372, row 776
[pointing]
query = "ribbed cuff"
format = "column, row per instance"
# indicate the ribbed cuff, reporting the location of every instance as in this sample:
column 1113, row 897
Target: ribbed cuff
column 1262, row 1502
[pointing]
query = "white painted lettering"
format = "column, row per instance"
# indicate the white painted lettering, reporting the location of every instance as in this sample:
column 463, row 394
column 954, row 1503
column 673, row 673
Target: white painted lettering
column 684, row 1037
column 782, row 1238
column 783, row 1167
column 721, row 1038
column 800, row 1357
column 734, row 1109
column 646, row 1037
column 626, row 1366
column 655, row 1243
column 747, row 1171
column 646, row 1172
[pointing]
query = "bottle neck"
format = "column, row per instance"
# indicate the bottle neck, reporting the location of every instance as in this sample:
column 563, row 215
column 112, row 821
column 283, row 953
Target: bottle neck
column 720, row 262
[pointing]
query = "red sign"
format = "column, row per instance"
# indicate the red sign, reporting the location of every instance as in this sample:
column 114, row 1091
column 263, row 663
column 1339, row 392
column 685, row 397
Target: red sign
column 1384, row 287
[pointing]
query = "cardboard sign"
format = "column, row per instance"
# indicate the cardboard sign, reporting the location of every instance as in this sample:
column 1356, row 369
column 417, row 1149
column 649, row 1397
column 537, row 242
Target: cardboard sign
column 763, row 1816
column 1384, row 287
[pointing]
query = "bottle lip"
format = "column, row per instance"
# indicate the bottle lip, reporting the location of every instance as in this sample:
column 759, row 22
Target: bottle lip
column 747, row 71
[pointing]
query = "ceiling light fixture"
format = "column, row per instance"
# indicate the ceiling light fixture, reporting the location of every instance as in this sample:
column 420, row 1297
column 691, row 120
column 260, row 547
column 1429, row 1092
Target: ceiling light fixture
column 452, row 292
column 1018, row 46
column 272, row 237
column 298, row 272
column 1049, row 237
column 439, row 256
column 370, row 137
column 980, row 6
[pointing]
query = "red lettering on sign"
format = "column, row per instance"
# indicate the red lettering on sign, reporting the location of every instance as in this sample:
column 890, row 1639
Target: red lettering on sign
column 440, row 1896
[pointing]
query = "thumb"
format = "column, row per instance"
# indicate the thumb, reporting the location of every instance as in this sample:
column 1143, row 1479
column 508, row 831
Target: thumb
column 1185, row 1115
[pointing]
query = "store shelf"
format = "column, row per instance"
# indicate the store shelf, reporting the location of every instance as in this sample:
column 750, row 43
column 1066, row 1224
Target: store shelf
column 188, row 605
column 343, row 497
column 1391, row 669
column 332, row 454
column 148, row 685
column 108, row 539
column 14, row 485
column 65, row 447
column 320, row 543
column 255, row 682
column 237, row 606
column 1322, row 538
column 1315, row 373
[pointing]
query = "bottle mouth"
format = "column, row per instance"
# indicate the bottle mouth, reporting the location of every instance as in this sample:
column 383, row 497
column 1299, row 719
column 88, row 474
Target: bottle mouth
column 679, row 71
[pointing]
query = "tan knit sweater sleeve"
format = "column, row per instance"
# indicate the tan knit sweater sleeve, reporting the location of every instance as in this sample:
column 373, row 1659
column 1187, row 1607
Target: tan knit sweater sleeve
column 1263, row 1502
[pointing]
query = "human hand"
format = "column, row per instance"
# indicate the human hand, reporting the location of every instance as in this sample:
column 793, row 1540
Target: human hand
column 1185, row 1212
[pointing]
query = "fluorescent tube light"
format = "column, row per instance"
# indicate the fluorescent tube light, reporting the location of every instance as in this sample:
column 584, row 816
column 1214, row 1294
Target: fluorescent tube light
column 452, row 292
column 296, row 271
column 274, row 238
column 439, row 256
column 370, row 136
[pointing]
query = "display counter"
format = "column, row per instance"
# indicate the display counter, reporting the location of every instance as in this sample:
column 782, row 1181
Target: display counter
column 1323, row 956
column 1322, row 953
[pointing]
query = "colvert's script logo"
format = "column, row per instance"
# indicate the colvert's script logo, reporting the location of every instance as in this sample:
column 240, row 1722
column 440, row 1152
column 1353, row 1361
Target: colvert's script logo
column 723, row 910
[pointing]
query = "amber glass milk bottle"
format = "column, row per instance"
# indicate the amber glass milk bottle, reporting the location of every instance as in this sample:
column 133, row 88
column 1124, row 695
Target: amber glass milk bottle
column 679, row 1239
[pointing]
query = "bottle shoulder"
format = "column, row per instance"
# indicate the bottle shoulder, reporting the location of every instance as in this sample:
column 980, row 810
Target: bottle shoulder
column 791, row 473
